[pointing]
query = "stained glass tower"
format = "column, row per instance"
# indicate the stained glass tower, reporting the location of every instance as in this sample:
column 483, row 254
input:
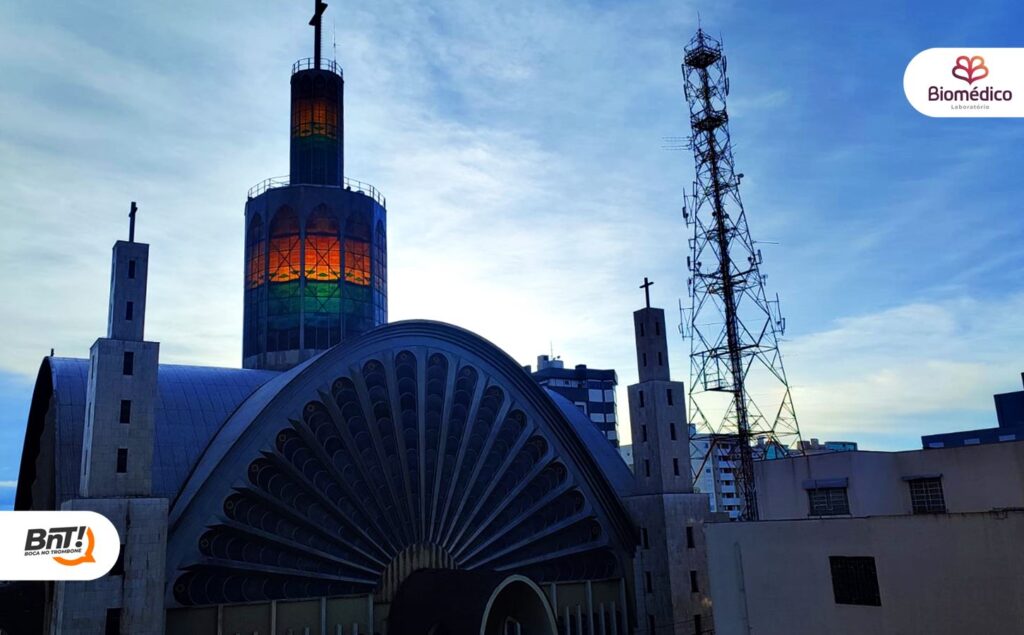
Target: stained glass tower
column 315, row 245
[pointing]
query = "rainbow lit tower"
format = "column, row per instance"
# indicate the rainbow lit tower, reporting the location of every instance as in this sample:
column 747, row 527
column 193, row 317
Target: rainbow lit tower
column 315, row 244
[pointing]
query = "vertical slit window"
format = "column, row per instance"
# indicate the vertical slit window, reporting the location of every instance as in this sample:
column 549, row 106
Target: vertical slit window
column 670, row 397
column 131, row 269
column 122, row 460
column 128, row 363
column 689, row 537
column 129, row 311
column 126, row 411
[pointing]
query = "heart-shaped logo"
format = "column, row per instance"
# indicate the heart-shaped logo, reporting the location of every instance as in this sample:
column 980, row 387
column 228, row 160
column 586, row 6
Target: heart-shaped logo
column 970, row 69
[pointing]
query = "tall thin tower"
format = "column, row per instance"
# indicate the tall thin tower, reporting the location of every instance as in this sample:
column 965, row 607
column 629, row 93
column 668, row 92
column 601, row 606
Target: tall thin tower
column 734, row 328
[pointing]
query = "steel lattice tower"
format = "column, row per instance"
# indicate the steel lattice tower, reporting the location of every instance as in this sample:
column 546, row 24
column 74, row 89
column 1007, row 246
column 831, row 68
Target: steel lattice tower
column 733, row 327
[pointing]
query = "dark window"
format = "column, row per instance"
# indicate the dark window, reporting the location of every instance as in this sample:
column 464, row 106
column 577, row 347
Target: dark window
column 672, row 430
column 926, row 496
column 644, row 538
column 131, row 268
column 648, row 582
column 644, row 355
column 641, row 398
column 647, row 467
column 670, row 396
column 128, row 367
column 828, row 501
column 657, row 328
column 126, row 411
column 122, row 460
column 641, row 329
column 650, row 624
column 675, row 466
column 643, row 433
column 698, row 627
column 689, row 537
column 118, row 568
column 660, row 362
column 854, row 580
column 113, row 626
column 129, row 310
column 693, row 582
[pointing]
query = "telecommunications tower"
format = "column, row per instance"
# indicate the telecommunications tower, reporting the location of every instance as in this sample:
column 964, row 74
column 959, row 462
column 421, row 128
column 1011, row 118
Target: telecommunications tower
column 733, row 327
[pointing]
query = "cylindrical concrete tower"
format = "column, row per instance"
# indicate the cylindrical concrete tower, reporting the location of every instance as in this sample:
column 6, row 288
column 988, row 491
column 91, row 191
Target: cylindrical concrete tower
column 316, row 242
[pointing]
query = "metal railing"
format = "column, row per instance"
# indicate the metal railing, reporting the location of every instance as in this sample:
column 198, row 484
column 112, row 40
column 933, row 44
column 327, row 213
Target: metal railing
column 306, row 64
column 349, row 184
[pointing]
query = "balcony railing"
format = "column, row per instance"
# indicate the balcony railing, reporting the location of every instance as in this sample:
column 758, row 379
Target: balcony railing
column 325, row 64
column 349, row 184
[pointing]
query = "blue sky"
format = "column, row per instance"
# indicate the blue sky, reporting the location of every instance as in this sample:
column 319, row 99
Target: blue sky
column 520, row 147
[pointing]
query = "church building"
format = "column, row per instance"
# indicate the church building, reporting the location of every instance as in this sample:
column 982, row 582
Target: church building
column 354, row 476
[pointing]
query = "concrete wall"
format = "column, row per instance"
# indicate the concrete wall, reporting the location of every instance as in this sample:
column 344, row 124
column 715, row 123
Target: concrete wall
column 937, row 574
column 974, row 479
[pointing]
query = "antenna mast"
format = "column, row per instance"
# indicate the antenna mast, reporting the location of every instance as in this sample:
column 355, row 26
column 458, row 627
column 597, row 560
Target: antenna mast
column 734, row 329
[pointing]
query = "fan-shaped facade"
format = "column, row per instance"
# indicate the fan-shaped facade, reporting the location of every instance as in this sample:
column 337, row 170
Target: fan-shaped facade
column 419, row 445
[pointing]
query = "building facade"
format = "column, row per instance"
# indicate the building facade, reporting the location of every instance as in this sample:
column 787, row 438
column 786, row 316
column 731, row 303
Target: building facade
column 590, row 389
column 1009, row 415
column 885, row 542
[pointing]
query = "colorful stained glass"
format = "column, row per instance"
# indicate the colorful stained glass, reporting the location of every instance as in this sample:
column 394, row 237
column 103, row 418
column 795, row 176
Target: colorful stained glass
column 284, row 247
column 256, row 255
column 315, row 117
column 323, row 249
column 357, row 262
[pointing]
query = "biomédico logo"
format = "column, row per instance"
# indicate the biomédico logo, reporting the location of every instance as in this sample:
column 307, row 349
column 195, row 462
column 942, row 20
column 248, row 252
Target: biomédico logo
column 969, row 68
column 76, row 542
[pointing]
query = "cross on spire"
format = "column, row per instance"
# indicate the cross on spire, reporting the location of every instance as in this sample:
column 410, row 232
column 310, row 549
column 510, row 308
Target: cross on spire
column 646, row 286
column 315, row 22
column 131, row 223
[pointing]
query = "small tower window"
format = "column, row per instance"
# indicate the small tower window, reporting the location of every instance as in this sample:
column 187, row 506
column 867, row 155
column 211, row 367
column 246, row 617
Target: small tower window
column 641, row 329
column 122, row 460
column 643, row 433
column 689, row 537
column 647, row 467
column 672, row 430
column 675, row 466
column 661, row 362
column 648, row 582
column 126, row 411
column 112, row 626
column 645, row 359
column 670, row 396
column 128, row 366
column 129, row 310
column 641, row 398
column 131, row 269
column 693, row 582
column 657, row 328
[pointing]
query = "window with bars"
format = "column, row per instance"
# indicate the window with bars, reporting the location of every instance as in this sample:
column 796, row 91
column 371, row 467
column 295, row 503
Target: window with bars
column 855, row 580
column 926, row 496
column 828, row 501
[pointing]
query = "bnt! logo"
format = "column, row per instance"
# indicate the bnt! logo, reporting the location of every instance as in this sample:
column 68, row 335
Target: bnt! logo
column 970, row 69
column 57, row 545
column 58, row 540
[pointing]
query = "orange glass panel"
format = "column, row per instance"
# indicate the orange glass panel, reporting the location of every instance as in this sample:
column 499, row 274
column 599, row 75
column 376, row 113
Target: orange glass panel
column 284, row 259
column 315, row 117
column 323, row 258
column 357, row 262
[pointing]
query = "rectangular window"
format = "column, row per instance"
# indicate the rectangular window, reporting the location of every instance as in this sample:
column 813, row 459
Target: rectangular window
column 131, row 268
column 641, row 398
column 128, row 366
column 675, row 466
column 660, row 362
column 647, row 467
column 650, row 624
column 129, row 310
column 828, row 501
column 122, row 460
column 643, row 433
column 113, row 625
column 854, row 580
column 670, row 396
column 689, row 537
column 693, row 582
column 698, row 626
column 648, row 582
column 926, row 496
column 644, row 357
column 644, row 538
column 126, row 411
column 641, row 329
column 672, row 430
column 657, row 328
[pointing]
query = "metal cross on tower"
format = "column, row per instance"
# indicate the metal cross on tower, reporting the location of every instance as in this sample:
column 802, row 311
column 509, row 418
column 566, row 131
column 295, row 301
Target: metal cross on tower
column 316, row 22
column 733, row 327
column 646, row 286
